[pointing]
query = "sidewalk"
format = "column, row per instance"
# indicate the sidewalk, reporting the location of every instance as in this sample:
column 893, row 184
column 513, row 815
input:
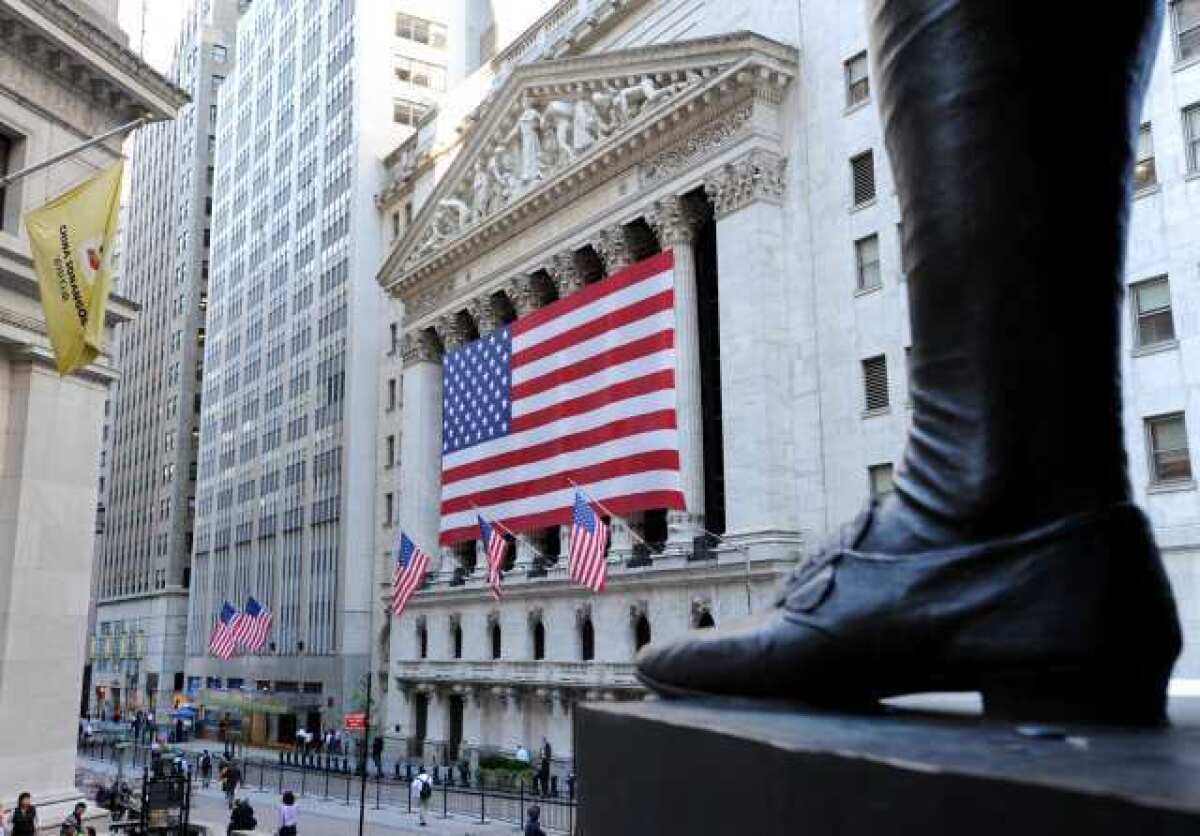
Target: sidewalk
column 319, row 818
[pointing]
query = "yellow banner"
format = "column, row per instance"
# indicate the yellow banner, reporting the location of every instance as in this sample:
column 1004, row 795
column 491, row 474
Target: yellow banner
column 72, row 238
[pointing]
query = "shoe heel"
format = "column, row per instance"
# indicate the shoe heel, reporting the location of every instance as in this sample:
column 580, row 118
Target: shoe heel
column 1076, row 695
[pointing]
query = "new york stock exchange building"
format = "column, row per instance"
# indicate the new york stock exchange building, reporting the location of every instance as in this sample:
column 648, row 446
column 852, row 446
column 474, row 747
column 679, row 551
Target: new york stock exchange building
column 714, row 147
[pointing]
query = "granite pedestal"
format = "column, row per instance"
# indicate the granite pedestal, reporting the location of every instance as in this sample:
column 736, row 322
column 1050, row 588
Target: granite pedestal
column 736, row 767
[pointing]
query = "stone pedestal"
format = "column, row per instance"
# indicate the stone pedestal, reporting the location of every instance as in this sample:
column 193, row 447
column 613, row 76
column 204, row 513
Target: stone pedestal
column 787, row 770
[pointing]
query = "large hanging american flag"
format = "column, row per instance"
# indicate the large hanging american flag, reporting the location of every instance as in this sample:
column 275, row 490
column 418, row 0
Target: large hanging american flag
column 580, row 392
column 254, row 625
column 224, row 641
column 494, row 545
column 411, row 565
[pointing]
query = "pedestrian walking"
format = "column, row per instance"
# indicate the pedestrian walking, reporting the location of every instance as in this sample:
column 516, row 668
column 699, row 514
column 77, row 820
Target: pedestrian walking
column 231, row 777
column 422, row 790
column 241, row 817
column 205, row 768
column 377, row 754
column 288, row 815
column 533, row 826
column 24, row 818
column 73, row 823
column 3, row 820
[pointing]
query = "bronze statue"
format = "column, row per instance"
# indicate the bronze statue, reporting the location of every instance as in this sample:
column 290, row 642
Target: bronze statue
column 1010, row 559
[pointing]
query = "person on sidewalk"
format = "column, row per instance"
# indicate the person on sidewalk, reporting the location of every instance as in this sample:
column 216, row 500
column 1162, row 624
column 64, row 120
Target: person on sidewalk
column 242, row 817
column 532, row 827
column 289, row 815
column 231, row 776
column 205, row 768
column 73, row 823
column 24, row 818
column 422, row 791
column 377, row 754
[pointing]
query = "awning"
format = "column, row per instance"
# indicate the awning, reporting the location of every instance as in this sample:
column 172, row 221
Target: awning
column 259, row 702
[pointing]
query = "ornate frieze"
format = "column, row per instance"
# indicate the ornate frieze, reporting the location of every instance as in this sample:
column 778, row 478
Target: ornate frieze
column 758, row 175
column 700, row 145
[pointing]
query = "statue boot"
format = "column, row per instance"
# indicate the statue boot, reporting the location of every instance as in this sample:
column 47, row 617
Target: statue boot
column 1010, row 559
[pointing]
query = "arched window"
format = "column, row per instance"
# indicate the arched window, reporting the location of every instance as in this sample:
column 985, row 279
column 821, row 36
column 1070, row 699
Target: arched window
column 539, row 640
column 641, row 632
column 587, row 641
column 456, row 640
column 705, row 620
column 496, row 640
column 422, row 642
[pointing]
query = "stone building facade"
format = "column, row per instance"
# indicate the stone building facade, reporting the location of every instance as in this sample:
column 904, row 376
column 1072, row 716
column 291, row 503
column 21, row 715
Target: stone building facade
column 745, row 138
column 145, row 563
column 66, row 75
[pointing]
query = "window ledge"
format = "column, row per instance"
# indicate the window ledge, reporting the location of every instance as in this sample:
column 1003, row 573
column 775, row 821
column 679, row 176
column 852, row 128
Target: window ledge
column 874, row 413
column 1185, row 63
column 1172, row 487
column 866, row 204
column 1153, row 188
column 856, row 106
column 1157, row 348
column 867, row 291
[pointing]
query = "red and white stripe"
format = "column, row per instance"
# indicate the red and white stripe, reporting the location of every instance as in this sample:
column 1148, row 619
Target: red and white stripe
column 224, row 640
column 495, row 558
column 593, row 405
column 406, row 580
column 587, row 562
column 255, row 636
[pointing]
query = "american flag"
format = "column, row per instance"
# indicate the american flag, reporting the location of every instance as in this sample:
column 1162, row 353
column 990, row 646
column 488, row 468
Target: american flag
column 224, row 639
column 582, row 392
column 254, row 626
column 411, row 565
column 494, row 544
column 586, row 562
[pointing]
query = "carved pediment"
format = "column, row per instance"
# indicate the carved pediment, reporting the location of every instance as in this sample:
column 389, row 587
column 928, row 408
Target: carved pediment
column 567, row 124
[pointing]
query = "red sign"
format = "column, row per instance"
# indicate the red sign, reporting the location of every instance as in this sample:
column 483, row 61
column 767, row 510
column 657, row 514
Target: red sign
column 356, row 722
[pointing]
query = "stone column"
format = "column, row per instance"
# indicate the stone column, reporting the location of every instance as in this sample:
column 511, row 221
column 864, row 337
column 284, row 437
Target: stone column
column 565, row 273
column 675, row 222
column 472, row 723
column 558, row 730
column 421, row 445
column 759, row 398
column 437, row 726
column 484, row 313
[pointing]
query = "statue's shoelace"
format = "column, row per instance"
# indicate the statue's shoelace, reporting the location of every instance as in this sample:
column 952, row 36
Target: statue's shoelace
column 830, row 553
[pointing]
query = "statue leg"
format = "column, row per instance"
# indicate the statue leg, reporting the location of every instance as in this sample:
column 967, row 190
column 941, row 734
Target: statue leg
column 1009, row 560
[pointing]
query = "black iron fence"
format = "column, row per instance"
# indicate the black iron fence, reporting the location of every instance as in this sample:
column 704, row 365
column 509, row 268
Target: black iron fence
column 339, row 780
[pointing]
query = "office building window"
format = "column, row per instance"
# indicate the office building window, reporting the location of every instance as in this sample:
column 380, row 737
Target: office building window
column 1144, row 175
column 388, row 509
column 6, row 149
column 866, row 261
column 1191, row 137
column 1170, row 462
column 858, row 85
column 1185, row 21
column 421, row 74
column 412, row 28
column 1152, row 308
column 875, row 383
column 862, row 177
column 219, row 53
column 390, row 456
column 879, row 478
column 215, row 84
column 408, row 113
column 391, row 395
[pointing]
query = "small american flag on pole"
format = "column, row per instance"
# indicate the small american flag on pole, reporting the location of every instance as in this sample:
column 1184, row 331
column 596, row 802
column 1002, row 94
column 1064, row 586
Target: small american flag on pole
column 494, row 544
column 587, row 562
column 224, row 641
column 411, row 565
column 580, row 391
column 254, row 626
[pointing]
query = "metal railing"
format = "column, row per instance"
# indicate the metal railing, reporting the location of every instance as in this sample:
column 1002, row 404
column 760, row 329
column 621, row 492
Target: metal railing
column 338, row 780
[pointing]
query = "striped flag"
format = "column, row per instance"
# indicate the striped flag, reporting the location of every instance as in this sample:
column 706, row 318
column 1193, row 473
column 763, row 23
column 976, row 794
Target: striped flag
column 494, row 544
column 583, row 391
column 254, row 626
column 224, row 639
column 411, row 565
column 587, row 563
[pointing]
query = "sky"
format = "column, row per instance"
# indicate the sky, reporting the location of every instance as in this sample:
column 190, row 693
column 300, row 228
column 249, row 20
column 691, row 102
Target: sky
column 162, row 18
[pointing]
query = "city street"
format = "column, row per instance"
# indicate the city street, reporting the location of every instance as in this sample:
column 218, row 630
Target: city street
column 317, row 818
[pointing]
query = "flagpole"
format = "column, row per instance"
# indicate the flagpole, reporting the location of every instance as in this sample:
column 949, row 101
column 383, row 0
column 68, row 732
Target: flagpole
column 521, row 537
column 9, row 179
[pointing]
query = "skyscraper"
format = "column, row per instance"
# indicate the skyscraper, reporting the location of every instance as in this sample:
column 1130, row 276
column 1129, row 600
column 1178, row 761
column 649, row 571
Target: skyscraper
column 284, row 500
column 141, row 582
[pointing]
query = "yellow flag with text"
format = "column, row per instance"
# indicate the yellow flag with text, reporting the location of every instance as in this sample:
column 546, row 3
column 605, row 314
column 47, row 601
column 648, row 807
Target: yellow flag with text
column 72, row 238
